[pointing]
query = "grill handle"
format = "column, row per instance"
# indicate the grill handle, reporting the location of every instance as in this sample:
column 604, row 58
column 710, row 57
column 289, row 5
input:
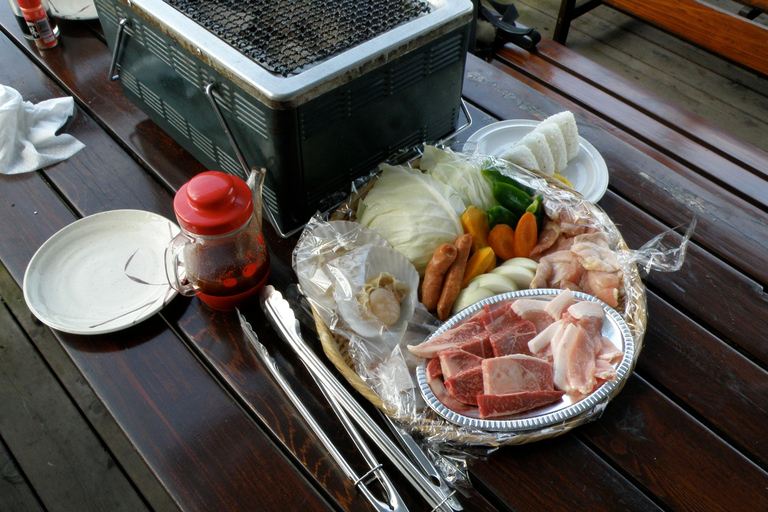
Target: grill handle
column 118, row 43
column 210, row 92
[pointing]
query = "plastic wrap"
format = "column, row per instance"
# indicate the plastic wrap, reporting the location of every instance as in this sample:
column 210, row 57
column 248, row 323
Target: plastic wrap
column 385, row 371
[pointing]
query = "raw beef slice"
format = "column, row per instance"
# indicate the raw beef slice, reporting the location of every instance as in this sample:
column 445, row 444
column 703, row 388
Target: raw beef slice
column 493, row 406
column 515, row 373
column 466, row 385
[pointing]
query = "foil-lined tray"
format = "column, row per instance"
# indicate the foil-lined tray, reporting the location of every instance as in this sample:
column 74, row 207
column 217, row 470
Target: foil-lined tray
column 614, row 328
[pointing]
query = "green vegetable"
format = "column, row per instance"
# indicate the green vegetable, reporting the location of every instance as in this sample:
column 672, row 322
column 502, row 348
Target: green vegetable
column 495, row 176
column 511, row 197
column 500, row 215
column 537, row 209
column 414, row 212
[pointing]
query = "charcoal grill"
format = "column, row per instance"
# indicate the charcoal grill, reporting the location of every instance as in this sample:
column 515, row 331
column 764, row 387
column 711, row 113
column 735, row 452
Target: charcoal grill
column 316, row 91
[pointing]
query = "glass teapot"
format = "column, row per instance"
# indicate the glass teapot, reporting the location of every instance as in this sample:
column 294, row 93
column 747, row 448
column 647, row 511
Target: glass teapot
column 220, row 253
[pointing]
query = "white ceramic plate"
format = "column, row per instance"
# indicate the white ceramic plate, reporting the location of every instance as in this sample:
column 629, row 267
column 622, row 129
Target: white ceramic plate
column 587, row 170
column 102, row 273
column 73, row 9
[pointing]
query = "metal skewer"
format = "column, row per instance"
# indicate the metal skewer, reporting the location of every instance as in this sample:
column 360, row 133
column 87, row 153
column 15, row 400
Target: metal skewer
column 282, row 317
column 393, row 501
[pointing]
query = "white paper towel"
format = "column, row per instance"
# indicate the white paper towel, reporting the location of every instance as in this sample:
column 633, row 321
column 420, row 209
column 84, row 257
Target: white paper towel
column 28, row 139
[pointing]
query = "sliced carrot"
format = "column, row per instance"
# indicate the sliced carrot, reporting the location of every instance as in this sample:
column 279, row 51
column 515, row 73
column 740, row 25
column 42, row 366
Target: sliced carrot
column 526, row 235
column 479, row 263
column 502, row 241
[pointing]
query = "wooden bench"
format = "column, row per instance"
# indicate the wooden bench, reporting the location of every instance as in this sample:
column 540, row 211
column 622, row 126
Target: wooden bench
column 733, row 37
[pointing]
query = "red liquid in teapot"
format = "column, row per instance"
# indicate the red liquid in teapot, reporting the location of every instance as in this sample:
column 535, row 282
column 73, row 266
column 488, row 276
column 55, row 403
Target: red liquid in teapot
column 227, row 270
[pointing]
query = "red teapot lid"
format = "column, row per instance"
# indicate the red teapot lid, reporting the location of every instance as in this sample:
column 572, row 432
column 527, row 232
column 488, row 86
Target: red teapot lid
column 213, row 203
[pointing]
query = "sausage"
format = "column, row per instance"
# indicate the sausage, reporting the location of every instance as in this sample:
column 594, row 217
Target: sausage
column 452, row 281
column 433, row 276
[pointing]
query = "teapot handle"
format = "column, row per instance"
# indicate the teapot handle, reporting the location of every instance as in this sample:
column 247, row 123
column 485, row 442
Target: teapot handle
column 175, row 270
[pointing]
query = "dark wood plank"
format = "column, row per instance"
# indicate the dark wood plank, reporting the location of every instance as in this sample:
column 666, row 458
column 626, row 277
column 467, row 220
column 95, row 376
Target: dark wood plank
column 81, row 393
column 686, row 466
column 670, row 139
column 557, row 474
column 15, row 492
column 654, row 106
column 52, row 443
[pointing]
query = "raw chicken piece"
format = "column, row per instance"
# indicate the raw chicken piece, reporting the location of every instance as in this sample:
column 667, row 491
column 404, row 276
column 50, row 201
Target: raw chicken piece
column 466, row 385
column 448, row 339
column 560, row 269
column 494, row 406
column 513, row 340
column 455, row 360
column 547, row 238
column 534, row 311
column 603, row 285
column 596, row 256
column 515, row 373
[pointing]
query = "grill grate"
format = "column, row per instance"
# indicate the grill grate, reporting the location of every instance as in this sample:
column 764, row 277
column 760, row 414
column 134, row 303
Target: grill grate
column 287, row 36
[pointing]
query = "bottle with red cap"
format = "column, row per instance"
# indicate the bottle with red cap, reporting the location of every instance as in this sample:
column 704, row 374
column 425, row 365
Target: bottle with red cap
column 220, row 253
column 41, row 27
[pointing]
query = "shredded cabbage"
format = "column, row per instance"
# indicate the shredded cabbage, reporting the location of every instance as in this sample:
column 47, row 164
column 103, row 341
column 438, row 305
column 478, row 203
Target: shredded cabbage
column 413, row 211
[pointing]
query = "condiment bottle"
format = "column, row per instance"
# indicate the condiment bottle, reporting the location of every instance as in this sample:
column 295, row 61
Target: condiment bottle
column 42, row 28
column 220, row 252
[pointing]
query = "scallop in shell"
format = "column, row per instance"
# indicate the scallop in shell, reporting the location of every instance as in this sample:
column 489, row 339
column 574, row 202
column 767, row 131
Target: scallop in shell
column 317, row 247
column 375, row 291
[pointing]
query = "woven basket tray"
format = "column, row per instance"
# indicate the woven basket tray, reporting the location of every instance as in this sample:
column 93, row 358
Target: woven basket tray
column 632, row 308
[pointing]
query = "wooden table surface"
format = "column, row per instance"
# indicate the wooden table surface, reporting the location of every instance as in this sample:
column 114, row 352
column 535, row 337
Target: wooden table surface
column 214, row 432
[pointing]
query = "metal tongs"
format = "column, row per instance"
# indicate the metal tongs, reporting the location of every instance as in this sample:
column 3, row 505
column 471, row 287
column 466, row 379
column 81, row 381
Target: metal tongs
column 393, row 501
column 283, row 319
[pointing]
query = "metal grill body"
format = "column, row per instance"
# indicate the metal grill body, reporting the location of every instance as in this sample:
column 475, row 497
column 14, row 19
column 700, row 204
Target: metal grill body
column 317, row 119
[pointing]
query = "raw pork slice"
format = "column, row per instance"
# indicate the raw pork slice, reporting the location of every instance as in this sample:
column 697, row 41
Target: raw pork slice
column 512, row 374
column 466, row 385
column 455, row 360
column 494, row 406
column 448, row 339
column 560, row 304
column 534, row 311
column 513, row 340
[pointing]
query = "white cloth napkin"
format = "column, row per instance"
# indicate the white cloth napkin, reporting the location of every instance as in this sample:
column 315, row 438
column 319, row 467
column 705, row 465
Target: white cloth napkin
column 28, row 139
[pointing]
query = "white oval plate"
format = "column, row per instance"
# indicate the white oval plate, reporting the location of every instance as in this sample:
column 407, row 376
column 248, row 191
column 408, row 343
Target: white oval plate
column 587, row 170
column 73, row 9
column 614, row 328
column 101, row 273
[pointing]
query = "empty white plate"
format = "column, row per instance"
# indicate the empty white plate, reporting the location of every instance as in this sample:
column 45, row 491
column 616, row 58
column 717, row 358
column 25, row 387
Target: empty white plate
column 586, row 171
column 101, row 273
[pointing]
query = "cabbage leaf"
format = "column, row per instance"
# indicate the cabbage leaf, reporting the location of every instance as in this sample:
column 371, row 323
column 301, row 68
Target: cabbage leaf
column 413, row 211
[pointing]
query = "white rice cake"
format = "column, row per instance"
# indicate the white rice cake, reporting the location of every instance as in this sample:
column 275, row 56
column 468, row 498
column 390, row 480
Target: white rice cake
column 567, row 124
column 556, row 141
column 537, row 143
column 522, row 156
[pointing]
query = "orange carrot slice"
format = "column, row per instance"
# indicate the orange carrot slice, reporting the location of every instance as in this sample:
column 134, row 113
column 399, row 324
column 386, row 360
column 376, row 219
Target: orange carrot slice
column 526, row 235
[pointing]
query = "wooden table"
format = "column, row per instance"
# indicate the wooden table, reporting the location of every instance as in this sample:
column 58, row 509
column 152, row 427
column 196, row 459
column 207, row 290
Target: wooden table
column 205, row 426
